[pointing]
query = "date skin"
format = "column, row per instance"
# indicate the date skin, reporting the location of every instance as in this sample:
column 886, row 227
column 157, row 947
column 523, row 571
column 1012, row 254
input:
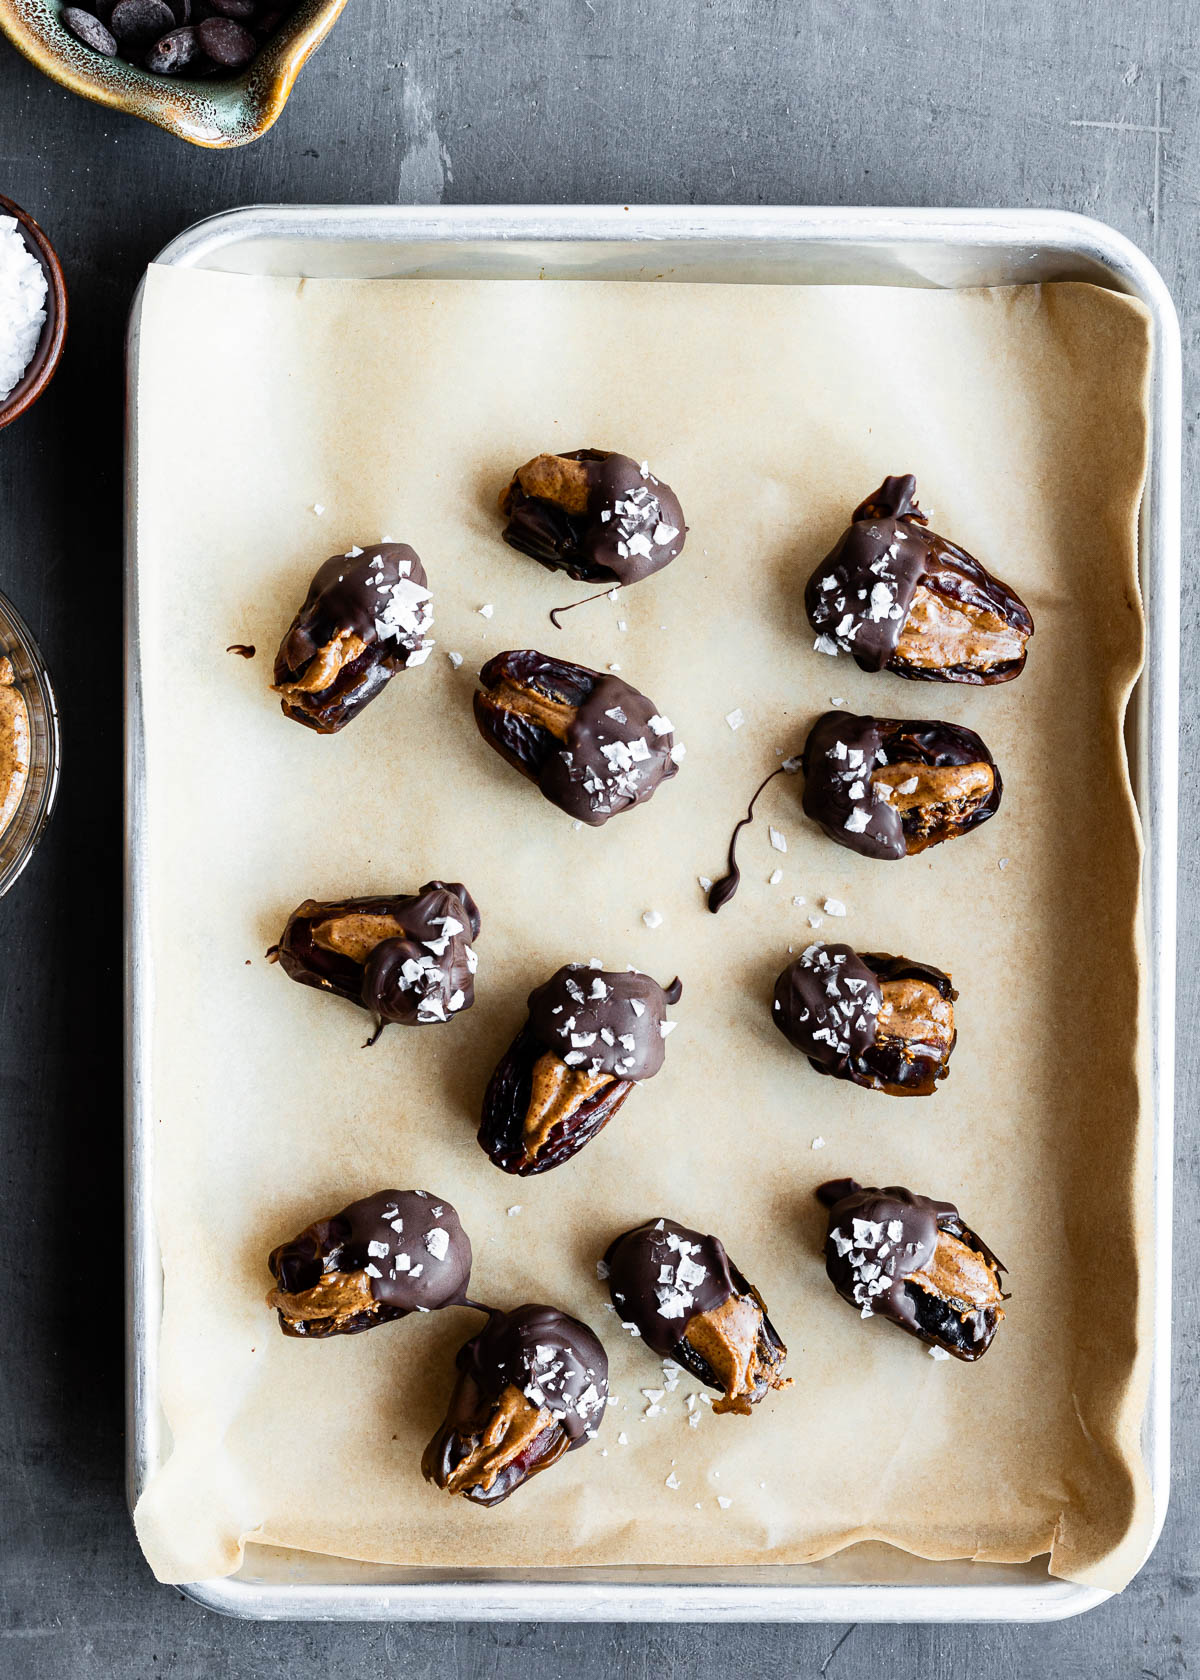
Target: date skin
column 506, row 1104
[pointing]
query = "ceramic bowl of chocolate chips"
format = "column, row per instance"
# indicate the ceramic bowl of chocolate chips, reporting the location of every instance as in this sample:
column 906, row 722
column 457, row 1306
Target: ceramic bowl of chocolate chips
column 215, row 72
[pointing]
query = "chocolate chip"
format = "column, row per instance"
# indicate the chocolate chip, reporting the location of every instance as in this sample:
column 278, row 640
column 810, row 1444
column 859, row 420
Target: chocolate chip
column 167, row 57
column 225, row 42
column 86, row 27
column 137, row 23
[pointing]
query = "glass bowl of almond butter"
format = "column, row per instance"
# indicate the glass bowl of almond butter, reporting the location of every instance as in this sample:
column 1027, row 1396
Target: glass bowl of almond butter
column 30, row 745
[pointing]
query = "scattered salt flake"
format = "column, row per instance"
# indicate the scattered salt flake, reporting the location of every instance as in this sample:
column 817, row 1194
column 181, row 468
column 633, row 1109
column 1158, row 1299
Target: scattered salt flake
column 1003, row 864
column 777, row 839
column 694, row 1420
column 514, row 1209
column 723, row 1502
column 705, row 883
column 486, row 610
column 774, row 878
column 652, row 918
column 318, row 508
column 614, row 667
column 602, row 1269
column 798, row 899
column 622, row 1439
column 455, row 659
column 814, row 921
column 736, row 718
column 938, row 1353
column 672, row 1481
column 818, row 1143
column 834, row 907
column 621, row 624
column 836, row 700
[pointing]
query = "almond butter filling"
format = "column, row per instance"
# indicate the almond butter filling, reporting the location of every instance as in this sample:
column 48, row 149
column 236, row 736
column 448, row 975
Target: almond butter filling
column 514, row 1425
column 338, row 1295
column 355, row 936
column 325, row 665
column 726, row 1338
column 939, row 632
column 959, row 1275
column 14, row 744
column 556, row 1092
column 917, row 1010
column 554, row 715
column 948, row 784
column 552, row 478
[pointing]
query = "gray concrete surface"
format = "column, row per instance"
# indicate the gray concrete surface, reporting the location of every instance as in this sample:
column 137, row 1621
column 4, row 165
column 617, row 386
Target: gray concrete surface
column 1036, row 102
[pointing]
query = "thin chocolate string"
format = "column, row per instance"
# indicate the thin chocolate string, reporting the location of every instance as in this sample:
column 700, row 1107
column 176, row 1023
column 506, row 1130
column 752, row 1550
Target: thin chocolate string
column 723, row 890
column 571, row 605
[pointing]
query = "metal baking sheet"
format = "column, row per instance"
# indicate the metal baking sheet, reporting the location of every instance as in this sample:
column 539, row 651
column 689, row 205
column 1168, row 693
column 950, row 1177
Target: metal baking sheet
column 938, row 248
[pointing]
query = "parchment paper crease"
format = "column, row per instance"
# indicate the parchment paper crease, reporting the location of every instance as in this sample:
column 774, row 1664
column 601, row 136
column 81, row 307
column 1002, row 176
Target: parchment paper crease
column 401, row 407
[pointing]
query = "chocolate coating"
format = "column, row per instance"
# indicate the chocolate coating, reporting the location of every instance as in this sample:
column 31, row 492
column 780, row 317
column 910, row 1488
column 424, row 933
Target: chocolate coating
column 659, row 1288
column 858, row 599
column 555, row 1362
column 631, row 527
column 609, row 748
column 366, row 616
column 839, row 757
column 607, row 1021
column 878, row 1239
column 421, row 976
column 828, row 1003
column 408, row 1245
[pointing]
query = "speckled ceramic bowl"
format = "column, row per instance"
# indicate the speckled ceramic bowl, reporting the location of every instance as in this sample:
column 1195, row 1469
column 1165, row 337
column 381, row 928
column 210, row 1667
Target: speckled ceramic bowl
column 220, row 112
column 49, row 349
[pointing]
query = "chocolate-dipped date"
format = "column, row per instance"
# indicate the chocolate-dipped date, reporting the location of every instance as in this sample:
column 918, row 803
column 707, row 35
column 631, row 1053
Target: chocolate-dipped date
column 592, row 744
column 895, row 1255
column 899, row 597
column 890, row 789
column 405, row 959
column 591, row 1036
column 392, row 1254
column 366, row 616
column 598, row 516
column 881, row 1022
column 682, row 1293
column 531, row 1386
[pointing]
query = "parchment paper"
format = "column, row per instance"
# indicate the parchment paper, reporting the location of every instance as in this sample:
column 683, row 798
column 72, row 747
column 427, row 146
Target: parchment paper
column 401, row 407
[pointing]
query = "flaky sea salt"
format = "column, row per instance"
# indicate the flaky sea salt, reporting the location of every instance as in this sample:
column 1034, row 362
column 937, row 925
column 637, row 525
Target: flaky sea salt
column 22, row 304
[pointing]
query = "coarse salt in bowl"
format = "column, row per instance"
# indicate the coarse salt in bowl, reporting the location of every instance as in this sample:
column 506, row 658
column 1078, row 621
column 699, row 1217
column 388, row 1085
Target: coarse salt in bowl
column 33, row 311
column 23, row 293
